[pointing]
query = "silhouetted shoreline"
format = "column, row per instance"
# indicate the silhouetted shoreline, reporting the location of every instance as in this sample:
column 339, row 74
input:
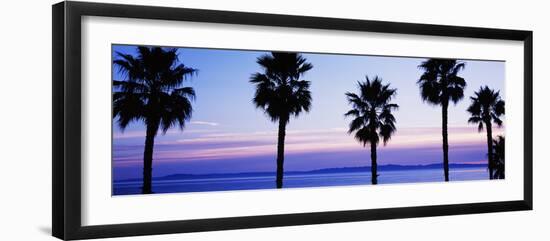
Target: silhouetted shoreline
column 389, row 167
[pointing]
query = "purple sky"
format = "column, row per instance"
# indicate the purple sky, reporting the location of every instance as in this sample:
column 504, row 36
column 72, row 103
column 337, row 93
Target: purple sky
column 227, row 134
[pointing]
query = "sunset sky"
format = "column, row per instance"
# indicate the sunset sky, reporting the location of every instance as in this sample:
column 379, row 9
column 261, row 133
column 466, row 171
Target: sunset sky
column 227, row 134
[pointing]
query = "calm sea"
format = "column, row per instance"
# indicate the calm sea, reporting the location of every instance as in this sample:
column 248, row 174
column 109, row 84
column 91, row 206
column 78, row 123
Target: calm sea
column 299, row 180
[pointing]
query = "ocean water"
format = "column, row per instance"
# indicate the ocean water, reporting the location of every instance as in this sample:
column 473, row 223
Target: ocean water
column 249, row 182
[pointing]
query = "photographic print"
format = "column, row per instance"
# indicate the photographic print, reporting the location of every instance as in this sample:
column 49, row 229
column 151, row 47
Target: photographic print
column 203, row 120
column 286, row 120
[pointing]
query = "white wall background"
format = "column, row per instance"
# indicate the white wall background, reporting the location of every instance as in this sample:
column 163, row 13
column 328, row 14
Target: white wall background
column 25, row 119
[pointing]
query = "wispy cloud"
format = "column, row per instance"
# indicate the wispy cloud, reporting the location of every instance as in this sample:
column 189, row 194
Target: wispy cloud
column 222, row 145
column 207, row 123
column 171, row 132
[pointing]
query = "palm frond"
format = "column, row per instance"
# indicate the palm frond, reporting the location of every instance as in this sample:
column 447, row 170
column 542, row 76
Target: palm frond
column 186, row 92
column 357, row 124
column 280, row 92
column 174, row 77
column 365, row 135
column 128, row 86
column 499, row 108
column 440, row 83
column 151, row 91
column 128, row 107
column 475, row 119
column 353, row 112
column 486, row 106
column 372, row 111
column 430, row 91
column 176, row 110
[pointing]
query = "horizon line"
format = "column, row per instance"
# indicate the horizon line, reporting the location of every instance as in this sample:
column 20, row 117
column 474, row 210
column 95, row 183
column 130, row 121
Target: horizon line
column 313, row 170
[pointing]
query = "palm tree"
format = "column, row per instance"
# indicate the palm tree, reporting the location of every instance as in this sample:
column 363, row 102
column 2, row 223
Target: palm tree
column 281, row 94
column 373, row 118
column 439, row 85
column 486, row 108
column 498, row 157
column 152, row 93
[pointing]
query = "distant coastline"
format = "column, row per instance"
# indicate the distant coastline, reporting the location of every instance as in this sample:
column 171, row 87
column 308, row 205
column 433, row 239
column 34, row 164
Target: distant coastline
column 389, row 167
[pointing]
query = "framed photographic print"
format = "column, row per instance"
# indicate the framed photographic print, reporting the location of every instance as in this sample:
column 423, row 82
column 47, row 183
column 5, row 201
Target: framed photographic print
column 170, row 120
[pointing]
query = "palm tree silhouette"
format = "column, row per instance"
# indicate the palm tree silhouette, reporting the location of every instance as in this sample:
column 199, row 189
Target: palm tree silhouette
column 486, row 108
column 373, row 118
column 152, row 93
column 498, row 157
column 281, row 94
column 439, row 85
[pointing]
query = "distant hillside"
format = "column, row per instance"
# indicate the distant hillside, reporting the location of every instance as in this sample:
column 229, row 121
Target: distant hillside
column 389, row 167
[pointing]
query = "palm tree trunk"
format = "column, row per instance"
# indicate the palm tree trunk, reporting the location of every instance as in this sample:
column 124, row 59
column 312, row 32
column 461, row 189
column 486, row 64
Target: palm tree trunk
column 148, row 157
column 373, row 165
column 445, row 134
column 490, row 162
column 281, row 151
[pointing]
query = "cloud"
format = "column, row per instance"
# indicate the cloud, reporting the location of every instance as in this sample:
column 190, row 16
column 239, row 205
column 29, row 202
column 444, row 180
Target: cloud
column 223, row 145
column 207, row 123
column 141, row 133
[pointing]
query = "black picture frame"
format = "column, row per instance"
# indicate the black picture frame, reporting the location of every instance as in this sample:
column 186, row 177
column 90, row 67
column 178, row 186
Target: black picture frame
column 66, row 169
